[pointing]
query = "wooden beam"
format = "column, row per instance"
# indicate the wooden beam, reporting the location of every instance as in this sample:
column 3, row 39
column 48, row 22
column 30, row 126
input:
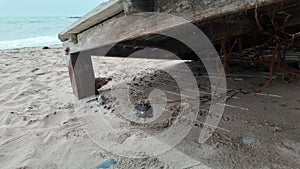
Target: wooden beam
column 81, row 75
column 73, row 38
column 116, row 29
column 96, row 16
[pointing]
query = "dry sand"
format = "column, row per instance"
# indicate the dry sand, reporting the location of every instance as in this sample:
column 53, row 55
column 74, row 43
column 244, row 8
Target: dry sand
column 39, row 127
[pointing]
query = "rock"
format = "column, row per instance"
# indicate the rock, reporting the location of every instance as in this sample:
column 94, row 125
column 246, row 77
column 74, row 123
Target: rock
column 45, row 47
column 35, row 69
column 245, row 90
column 226, row 119
column 277, row 129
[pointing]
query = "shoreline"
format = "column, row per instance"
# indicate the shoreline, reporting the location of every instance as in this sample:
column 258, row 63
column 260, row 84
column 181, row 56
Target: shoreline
column 34, row 47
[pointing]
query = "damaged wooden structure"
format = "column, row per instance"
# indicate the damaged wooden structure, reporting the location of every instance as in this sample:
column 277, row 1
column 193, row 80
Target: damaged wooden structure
column 231, row 25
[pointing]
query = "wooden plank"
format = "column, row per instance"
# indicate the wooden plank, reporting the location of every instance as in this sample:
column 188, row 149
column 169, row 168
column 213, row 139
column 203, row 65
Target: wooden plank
column 192, row 10
column 96, row 16
column 81, row 75
column 110, row 32
column 196, row 10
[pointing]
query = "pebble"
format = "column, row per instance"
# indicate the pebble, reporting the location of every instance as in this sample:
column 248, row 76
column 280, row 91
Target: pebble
column 45, row 47
column 227, row 119
column 277, row 129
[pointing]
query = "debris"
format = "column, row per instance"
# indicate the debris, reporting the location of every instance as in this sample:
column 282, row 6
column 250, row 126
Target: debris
column 107, row 164
column 205, row 99
column 40, row 74
column 237, row 79
column 248, row 139
column 101, row 101
column 244, row 91
column 226, row 119
column 28, row 109
column 35, row 69
column 270, row 95
column 92, row 99
column 231, row 96
column 143, row 109
column 236, row 107
column 99, row 82
column 276, row 128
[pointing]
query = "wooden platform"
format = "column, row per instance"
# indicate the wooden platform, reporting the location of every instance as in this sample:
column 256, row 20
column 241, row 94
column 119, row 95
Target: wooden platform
column 93, row 34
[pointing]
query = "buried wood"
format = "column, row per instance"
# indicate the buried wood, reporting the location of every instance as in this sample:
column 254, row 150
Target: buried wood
column 82, row 75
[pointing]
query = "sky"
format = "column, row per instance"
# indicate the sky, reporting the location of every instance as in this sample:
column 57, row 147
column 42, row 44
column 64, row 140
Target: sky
column 38, row 8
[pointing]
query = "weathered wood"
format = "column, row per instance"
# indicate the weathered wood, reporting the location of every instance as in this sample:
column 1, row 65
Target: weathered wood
column 96, row 16
column 99, row 31
column 82, row 75
column 119, row 30
column 73, row 38
column 192, row 10
column 201, row 9
column 115, row 30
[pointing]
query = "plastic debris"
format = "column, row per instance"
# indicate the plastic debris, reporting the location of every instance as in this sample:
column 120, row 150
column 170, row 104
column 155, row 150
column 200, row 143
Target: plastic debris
column 107, row 164
column 248, row 139
column 143, row 110
column 101, row 101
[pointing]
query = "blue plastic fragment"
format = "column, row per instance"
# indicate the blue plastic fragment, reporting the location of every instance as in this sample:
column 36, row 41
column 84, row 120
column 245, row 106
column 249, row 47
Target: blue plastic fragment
column 107, row 164
column 249, row 139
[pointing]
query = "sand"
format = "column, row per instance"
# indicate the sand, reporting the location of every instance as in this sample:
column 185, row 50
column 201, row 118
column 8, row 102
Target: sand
column 40, row 127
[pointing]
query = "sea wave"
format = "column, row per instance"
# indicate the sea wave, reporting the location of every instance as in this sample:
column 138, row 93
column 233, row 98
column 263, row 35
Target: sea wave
column 30, row 42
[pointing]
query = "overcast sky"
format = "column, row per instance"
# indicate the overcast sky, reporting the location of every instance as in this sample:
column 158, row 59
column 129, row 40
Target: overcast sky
column 46, row 7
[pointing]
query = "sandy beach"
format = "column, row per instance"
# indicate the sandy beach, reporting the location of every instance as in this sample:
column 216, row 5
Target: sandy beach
column 39, row 127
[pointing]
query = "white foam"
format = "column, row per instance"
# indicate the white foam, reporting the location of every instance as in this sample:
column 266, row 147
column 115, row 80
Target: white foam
column 30, row 42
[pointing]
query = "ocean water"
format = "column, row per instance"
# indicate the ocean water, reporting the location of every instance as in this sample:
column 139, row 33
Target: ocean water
column 18, row 32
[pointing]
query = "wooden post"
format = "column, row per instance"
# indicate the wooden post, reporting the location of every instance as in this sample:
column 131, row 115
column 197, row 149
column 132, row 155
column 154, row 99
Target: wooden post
column 81, row 74
column 136, row 6
column 73, row 38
